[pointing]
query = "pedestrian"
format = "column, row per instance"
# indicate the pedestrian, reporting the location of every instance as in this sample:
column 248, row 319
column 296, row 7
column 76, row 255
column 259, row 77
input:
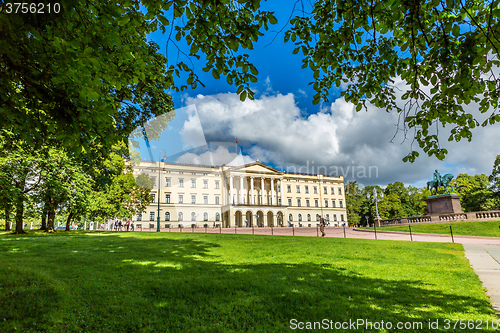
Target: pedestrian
column 116, row 225
column 127, row 225
column 214, row 225
column 132, row 225
column 120, row 226
column 322, row 226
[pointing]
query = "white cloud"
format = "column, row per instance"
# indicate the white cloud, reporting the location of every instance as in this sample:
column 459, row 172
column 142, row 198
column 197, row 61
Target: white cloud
column 337, row 138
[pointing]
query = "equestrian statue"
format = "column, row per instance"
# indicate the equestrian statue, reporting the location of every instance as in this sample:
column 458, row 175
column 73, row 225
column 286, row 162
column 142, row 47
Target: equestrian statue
column 440, row 181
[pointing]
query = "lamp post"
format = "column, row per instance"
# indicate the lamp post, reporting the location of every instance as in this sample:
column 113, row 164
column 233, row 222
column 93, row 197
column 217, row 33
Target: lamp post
column 159, row 185
column 376, row 201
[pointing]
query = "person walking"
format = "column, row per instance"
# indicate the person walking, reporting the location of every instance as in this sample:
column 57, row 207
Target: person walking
column 322, row 226
column 132, row 225
column 127, row 225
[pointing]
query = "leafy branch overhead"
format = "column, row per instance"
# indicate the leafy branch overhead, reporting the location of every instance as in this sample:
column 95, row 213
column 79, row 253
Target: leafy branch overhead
column 87, row 76
column 445, row 53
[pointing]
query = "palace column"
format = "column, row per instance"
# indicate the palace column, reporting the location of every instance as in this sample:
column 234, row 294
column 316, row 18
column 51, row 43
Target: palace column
column 252, row 197
column 282, row 188
column 231, row 190
column 272, row 192
column 242, row 194
column 262, row 191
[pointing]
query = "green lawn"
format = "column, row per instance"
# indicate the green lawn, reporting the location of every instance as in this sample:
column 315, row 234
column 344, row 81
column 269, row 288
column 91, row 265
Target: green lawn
column 485, row 228
column 172, row 282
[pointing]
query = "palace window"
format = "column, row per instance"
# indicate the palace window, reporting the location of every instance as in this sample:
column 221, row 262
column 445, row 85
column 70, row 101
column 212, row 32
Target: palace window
column 340, row 190
column 326, row 202
column 316, row 203
column 325, row 190
column 289, row 188
column 290, row 217
column 335, row 217
column 151, row 216
column 300, row 217
column 289, row 202
column 332, row 190
column 308, row 217
column 181, row 182
column 139, row 216
column 167, row 216
column 193, row 216
column 180, row 217
column 217, row 217
column 306, row 189
column 317, row 217
column 341, row 205
column 315, row 188
column 181, row 198
column 205, row 199
column 193, row 199
column 217, row 184
column 333, row 203
column 193, row 183
column 167, row 198
column 308, row 203
column 168, row 182
column 342, row 217
column 217, row 200
column 298, row 188
column 205, row 216
column 205, row 183
column 298, row 202
column 153, row 197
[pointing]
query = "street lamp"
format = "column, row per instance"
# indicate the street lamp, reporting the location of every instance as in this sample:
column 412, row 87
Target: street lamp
column 376, row 201
column 159, row 185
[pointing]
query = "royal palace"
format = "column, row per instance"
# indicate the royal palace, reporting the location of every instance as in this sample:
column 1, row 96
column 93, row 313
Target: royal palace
column 240, row 196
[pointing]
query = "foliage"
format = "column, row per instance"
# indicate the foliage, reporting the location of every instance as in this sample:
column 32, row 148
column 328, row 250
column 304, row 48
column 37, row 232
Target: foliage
column 475, row 192
column 145, row 181
column 88, row 76
column 167, row 275
column 444, row 52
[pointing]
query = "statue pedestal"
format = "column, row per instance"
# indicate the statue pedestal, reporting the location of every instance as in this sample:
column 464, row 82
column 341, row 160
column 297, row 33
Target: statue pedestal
column 443, row 204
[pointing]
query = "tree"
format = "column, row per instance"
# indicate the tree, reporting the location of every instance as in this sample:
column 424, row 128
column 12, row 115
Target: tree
column 88, row 76
column 494, row 179
column 356, row 203
column 446, row 53
column 475, row 192
column 390, row 207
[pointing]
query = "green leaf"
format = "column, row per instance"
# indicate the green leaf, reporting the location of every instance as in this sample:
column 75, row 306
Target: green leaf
column 215, row 74
column 243, row 96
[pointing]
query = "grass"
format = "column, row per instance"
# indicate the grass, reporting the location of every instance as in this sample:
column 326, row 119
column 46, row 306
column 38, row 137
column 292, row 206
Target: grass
column 484, row 228
column 149, row 282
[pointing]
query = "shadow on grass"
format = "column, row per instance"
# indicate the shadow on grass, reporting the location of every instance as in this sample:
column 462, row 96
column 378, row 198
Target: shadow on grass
column 114, row 283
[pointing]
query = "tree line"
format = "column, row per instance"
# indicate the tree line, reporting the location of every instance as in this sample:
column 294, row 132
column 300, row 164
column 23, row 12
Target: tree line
column 478, row 193
column 37, row 184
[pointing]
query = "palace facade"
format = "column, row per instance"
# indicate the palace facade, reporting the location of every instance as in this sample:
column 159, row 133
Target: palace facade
column 243, row 196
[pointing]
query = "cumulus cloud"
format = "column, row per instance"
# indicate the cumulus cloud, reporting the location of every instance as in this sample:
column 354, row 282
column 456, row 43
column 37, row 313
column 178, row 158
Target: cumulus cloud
column 335, row 140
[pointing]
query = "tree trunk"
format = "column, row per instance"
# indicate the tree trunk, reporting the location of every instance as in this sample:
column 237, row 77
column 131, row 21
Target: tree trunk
column 68, row 221
column 50, row 219
column 44, row 219
column 19, row 217
column 7, row 219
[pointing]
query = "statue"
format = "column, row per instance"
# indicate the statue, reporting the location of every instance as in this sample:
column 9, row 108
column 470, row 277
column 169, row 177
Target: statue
column 440, row 181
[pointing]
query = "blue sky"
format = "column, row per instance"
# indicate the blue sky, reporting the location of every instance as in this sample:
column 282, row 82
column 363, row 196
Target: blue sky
column 282, row 127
